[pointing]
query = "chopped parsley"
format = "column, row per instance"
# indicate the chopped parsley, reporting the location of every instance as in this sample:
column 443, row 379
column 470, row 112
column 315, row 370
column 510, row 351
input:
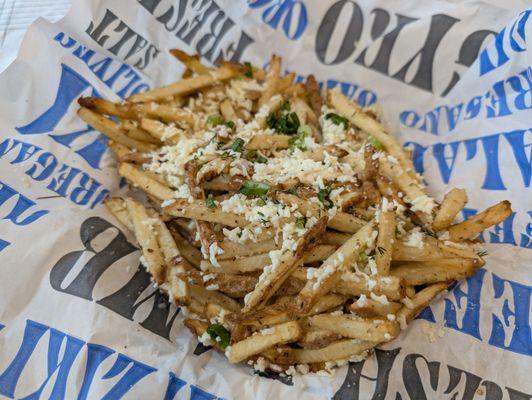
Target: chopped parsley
column 254, row 189
column 219, row 335
column 249, row 70
column 287, row 124
column 482, row 253
column 255, row 156
column 324, row 197
column 285, row 106
column 217, row 119
column 301, row 222
column 381, row 250
column 337, row 119
column 261, row 202
column 209, row 202
column 238, row 145
column 375, row 143
column 298, row 141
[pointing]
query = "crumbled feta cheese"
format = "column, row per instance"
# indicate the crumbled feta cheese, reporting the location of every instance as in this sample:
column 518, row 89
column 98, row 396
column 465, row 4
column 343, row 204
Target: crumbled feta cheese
column 408, row 303
column 214, row 251
column 381, row 299
column 362, row 301
column 205, row 339
column 424, row 204
column 415, row 239
column 391, row 317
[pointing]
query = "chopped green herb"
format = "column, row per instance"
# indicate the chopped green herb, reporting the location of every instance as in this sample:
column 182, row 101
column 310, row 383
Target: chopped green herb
column 215, row 119
column 249, row 69
column 209, row 202
column 255, row 156
column 238, row 145
column 362, row 256
column 286, row 124
column 225, row 155
column 219, row 335
column 261, row 201
column 375, row 143
column 337, row 119
column 381, row 250
column 285, row 106
column 298, row 141
column 292, row 191
column 301, row 222
column 230, row 124
column 323, row 196
column 482, row 253
column 254, row 189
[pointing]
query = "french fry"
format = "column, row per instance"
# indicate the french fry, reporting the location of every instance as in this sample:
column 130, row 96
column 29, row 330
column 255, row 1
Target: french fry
column 314, row 94
column 113, row 130
column 191, row 62
column 227, row 110
column 142, row 180
column 259, row 261
column 339, row 350
column 453, row 202
column 361, row 120
column 330, row 271
column 316, row 339
column 198, row 211
column 278, row 334
column 266, row 142
column 177, row 288
column 204, row 296
column 415, row 274
column 384, row 247
column 272, row 80
column 353, row 285
column 118, row 208
column 420, row 301
column 374, row 308
column 160, row 131
column 119, row 149
column 189, row 252
column 234, row 251
column 150, row 248
column 186, row 86
column 470, row 228
column 273, row 278
column 351, row 326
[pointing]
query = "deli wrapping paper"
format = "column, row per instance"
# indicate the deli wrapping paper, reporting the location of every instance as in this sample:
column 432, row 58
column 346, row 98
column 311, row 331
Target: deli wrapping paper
column 80, row 319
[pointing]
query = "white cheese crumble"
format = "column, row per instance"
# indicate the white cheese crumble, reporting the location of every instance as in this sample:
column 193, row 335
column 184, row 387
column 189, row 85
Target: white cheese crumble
column 380, row 299
column 424, row 204
column 214, row 251
column 415, row 238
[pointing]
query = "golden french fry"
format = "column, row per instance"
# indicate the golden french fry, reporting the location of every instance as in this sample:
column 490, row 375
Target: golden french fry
column 113, row 130
column 352, row 284
column 385, row 239
column 420, row 301
column 267, row 142
column 420, row 273
column 227, row 110
column 470, row 228
column 272, row 80
column 186, row 86
column 151, row 252
column 278, row 334
column 198, row 211
column 191, row 62
column 142, row 180
column 453, row 202
column 328, row 274
column 351, row 326
column 272, row 278
column 339, row 350
column 373, row 308
column 118, row 208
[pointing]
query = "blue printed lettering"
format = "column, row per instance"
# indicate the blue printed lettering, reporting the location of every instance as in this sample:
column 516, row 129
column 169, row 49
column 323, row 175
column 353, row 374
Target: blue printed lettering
column 174, row 385
column 135, row 372
column 22, row 205
column 3, row 245
column 292, row 14
column 96, row 354
column 526, row 237
column 517, row 341
column 463, row 313
column 445, row 161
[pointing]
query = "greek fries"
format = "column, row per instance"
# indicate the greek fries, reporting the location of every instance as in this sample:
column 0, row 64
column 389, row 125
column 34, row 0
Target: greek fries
column 291, row 224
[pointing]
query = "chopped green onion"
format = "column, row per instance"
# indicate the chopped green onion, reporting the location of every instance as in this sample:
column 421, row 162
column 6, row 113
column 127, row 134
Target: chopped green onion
column 249, row 69
column 256, row 156
column 238, row 145
column 215, row 119
column 287, row 124
column 337, row 119
column 298, row 142
column 230, row 124
column 254, row 189
column 209, row 202
column 301, row 222
column 375, row 143
column 261, row 201
column 219, row 335
column 285, row 106
column 323, row 196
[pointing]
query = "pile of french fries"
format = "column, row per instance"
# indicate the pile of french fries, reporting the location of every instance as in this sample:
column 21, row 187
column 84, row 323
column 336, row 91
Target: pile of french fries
column 291, row 227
